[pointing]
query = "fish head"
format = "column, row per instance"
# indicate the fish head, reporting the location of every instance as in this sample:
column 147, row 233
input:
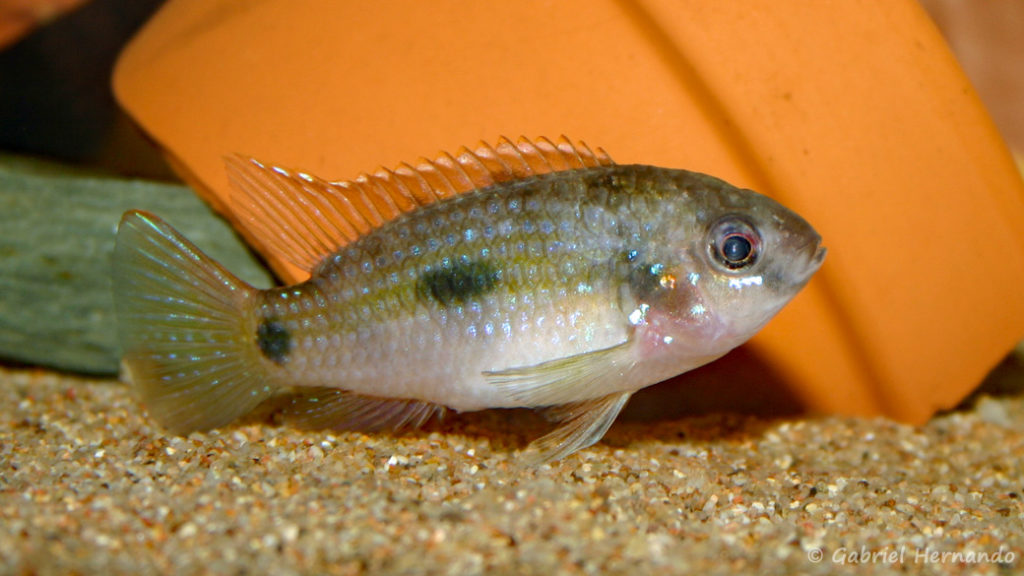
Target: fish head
column 737, row 258
column 755, row 256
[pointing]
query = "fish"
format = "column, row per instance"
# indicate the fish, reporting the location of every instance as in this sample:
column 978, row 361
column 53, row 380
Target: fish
column 530, row 274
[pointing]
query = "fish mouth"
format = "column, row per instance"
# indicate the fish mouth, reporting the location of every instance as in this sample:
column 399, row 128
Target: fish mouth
column 819, row 256
column 816, row 258
column 809, row 256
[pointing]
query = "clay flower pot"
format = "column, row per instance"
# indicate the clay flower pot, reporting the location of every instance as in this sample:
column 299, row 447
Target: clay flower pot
column 854, row 114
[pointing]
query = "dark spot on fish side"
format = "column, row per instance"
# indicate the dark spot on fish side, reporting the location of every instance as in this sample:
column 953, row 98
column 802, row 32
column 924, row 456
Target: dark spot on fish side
column 274, row 340
column 459, row 282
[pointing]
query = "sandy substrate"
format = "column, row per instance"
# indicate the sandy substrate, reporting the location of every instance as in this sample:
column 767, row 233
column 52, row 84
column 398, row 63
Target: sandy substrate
column 88, row 485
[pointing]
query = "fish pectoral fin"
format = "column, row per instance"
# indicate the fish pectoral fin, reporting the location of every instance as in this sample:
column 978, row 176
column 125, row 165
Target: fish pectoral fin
column 566, row 380
column 333, row 408
column 581, row 424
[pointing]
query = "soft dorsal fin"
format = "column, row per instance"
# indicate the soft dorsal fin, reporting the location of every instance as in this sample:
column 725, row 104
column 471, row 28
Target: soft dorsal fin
column 302, row 218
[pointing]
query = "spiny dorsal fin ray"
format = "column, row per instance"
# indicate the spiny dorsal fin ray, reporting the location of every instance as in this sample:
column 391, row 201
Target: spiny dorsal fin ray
column 302, row 218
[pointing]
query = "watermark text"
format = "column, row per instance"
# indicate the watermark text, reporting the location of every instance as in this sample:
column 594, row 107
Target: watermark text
column 910, row 555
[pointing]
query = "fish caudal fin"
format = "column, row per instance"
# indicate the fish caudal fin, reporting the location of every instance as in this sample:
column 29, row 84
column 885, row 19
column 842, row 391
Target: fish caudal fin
column 183, row 326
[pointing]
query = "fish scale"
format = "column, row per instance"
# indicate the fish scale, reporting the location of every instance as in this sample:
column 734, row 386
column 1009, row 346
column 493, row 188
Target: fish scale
column 530, row 257
column 568, row 289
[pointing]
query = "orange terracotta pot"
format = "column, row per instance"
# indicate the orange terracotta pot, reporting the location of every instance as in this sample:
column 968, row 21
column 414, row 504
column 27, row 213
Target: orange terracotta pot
column 852, row 113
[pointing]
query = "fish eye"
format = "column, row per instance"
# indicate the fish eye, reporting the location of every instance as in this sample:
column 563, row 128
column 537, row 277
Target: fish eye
column 736, row 248
column 734, row 243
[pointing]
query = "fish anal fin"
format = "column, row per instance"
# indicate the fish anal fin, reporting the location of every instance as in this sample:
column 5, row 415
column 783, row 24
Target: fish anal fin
column 336, row 409
column 581, row 424
column 301, row 218
column 565, row 380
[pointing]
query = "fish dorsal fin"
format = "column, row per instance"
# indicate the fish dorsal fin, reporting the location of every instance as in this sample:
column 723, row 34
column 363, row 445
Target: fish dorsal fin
column 301, row 218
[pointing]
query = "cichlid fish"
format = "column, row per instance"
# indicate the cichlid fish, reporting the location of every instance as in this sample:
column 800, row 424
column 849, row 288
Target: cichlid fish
column 523, row 275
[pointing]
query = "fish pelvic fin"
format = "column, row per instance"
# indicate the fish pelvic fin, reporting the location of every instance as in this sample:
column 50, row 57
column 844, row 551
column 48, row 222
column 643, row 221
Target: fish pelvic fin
column 186, row 328
column 581, row 424
column 302, row 218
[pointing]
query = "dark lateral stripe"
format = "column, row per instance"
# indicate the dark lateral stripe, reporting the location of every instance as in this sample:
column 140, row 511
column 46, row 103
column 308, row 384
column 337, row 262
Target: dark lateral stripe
column 274, row 340
column 458, row 283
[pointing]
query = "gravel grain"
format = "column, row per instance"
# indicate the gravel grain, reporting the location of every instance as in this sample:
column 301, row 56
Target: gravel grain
column 89, row 485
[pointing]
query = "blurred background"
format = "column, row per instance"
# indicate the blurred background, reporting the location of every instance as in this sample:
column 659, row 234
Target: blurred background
column 56, row 58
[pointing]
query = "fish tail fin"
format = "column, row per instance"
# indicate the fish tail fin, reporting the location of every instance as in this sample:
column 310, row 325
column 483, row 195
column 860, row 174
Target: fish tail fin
column 185, row 327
